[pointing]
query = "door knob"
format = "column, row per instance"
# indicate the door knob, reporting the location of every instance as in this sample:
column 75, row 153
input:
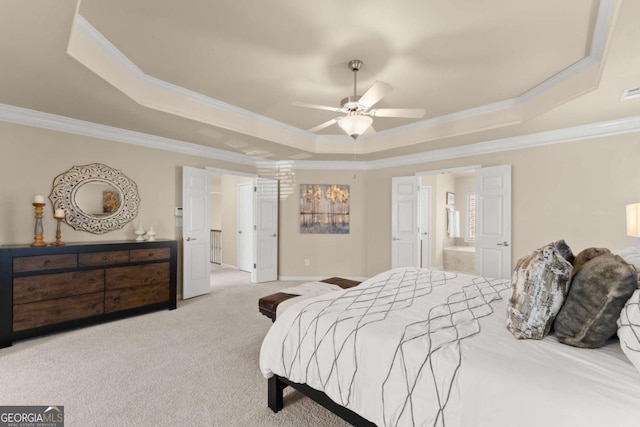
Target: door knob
column 239, row 231
column 503, row 244
column 395, row 238
column 188, row 239
column 273, row 235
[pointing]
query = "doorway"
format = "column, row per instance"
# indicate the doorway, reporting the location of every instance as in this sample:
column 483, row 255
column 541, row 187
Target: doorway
column 221, row 210
column 469, row 220
column 451, row 231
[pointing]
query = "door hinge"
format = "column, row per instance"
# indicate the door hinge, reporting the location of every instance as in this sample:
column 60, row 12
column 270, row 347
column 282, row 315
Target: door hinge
column 255, row 189
column 254, row 228
column 255, row 266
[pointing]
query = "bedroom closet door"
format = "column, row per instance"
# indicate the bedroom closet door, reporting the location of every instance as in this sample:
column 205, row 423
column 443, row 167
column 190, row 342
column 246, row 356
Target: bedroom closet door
column 195, row 232
column 265, row 240
column 425, row 226
column 404, row 222
column 493, row 222
column 244, row 254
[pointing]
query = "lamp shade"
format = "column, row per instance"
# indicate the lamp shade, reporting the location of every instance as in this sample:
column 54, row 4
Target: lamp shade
column 355, row 124
column 633, row 220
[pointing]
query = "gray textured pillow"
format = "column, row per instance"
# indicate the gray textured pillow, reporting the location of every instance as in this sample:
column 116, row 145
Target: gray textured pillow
column 586, row 255
column 539, row 285
column 564, row 250
column 598, row 292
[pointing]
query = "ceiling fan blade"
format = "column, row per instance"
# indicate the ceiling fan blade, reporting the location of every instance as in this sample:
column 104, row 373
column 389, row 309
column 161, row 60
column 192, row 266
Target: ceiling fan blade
column 316, row 106
column 412, row 113
column 375, row 94
column 324, row 125
column 370, row 131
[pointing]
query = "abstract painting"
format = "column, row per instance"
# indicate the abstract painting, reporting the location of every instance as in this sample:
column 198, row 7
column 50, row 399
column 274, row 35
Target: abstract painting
column 324, row 208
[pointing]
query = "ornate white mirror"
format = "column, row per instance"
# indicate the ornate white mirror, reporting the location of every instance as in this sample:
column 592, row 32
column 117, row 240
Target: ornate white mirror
column 95, row 198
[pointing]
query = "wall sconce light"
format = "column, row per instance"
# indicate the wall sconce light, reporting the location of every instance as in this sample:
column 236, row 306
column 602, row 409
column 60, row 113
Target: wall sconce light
column 633, row 220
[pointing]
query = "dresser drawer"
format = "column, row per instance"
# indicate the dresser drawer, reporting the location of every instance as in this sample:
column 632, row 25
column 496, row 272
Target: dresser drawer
column 137, row 275
column 37, row 314
column 103, row 258
column 149, row 254
column 50, row 286
column 44, row 262
column 139, row 296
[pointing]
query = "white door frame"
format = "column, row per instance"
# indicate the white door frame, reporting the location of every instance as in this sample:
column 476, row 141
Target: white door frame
column 424, row 221
column 244, row 238
column 196, row 202
column 266, row 198
column 493, row 233
column 405, row 208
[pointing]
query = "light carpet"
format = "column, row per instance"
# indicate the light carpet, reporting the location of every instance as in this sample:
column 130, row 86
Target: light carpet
column 194, row 366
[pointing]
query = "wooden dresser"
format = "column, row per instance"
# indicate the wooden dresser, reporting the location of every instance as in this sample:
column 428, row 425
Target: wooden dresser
column 53, row 288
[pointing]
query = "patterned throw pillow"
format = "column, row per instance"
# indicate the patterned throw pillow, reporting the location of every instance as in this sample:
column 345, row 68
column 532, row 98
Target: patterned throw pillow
column 629, row 329
column 564, row 250
column 539, row 285
column 598, row 292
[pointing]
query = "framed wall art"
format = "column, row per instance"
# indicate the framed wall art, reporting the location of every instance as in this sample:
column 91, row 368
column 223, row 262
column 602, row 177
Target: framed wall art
column 324, row 208
column 451, row 198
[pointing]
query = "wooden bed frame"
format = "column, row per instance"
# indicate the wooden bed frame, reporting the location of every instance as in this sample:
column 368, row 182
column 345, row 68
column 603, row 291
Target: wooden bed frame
column 276, row 384
column 276, row 388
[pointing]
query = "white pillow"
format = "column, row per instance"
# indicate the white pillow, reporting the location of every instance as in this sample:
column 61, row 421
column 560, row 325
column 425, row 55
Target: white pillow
column 632, row 256
column 629, row 329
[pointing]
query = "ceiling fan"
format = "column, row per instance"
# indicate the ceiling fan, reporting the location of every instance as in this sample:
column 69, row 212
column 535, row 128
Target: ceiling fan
column 358, row 109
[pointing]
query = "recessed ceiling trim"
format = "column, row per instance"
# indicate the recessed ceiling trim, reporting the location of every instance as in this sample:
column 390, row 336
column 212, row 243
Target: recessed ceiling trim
column 559, row 136
column 26, row 117
column 91, row 48
column 39, row 119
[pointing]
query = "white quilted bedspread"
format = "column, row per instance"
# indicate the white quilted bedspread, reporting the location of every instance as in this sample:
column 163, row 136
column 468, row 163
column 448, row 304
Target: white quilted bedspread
column 412, row 347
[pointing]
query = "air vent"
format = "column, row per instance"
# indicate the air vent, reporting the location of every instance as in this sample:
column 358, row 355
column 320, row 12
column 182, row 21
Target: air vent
column 630, row 94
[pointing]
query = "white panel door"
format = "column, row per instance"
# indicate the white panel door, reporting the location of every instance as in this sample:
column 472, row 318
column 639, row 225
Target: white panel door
column 493, row 222
column 425, row 224
column 404, row 222
column 195, row 232
column 265, row 243
column 244, row 254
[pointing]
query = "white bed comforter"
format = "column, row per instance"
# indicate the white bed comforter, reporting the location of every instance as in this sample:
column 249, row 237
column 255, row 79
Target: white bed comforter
column 413, row 347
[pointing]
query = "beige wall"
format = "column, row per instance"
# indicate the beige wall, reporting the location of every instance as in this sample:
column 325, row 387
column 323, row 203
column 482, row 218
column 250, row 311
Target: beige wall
column 329, row 254
column 576, row 191
column 216, row 201
column 229, row 217
column 30, row 158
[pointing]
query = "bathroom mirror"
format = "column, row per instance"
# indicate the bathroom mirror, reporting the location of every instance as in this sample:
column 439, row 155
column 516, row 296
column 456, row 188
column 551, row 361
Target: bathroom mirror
column 95, row 198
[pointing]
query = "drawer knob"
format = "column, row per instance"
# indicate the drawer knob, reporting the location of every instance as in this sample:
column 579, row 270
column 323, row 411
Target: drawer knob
column 91, row 281
column 47, row 262
column 150, row 253
column 104, row 257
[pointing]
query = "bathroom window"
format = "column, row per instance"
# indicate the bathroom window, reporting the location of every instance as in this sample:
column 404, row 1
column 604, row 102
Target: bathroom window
column 470, row 206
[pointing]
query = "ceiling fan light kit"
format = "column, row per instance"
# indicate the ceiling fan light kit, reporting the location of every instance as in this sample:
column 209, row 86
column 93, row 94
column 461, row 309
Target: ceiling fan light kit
column 355, row 125
column 358, row 108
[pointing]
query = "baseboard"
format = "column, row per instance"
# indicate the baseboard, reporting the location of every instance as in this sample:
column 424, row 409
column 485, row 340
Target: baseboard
column 315, row 278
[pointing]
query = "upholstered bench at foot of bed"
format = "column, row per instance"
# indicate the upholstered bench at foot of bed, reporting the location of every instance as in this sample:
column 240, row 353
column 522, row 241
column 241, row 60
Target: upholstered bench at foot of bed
column 268, row 305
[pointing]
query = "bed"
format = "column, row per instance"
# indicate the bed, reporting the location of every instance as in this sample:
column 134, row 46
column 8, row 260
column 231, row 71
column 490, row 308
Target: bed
column 416, row 347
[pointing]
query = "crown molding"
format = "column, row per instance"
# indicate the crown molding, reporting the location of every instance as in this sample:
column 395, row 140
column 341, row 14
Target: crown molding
column 39, row 119
column 108, row 47
column 558, row 136
column 555, row 90
column 26, row 117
